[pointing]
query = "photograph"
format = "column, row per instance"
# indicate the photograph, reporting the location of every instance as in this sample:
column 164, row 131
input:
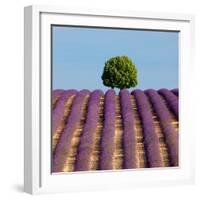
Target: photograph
column 114, row 99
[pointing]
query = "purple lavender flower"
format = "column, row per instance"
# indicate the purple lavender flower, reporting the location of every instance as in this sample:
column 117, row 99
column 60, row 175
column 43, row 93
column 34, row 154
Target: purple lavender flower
column 87, row 140
column 151, row 140
column 170, row 134
column 172, row 100
column 55, row 96
column 57, row 92
column 107, row 141
column 129, row 135
column 64, row 143
column 58, row 112
column 175, row 91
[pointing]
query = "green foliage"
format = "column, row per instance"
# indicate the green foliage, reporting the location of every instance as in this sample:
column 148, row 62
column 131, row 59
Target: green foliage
column 119, row 72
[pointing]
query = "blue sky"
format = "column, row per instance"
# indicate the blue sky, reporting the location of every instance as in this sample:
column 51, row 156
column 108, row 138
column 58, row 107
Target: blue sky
column 79, row 55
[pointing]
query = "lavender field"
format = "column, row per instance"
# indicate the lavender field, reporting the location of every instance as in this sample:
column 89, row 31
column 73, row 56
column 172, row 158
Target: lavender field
column 93, row 130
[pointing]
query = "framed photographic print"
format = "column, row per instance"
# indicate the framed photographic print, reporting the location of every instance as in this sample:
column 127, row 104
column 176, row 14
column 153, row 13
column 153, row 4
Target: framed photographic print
column 107, row 99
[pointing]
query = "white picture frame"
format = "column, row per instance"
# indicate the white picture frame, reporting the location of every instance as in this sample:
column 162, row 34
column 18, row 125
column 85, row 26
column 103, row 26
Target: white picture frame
column 37, row 63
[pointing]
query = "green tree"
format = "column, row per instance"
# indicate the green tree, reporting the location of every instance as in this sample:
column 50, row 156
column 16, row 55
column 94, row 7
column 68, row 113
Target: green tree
column 119, row 72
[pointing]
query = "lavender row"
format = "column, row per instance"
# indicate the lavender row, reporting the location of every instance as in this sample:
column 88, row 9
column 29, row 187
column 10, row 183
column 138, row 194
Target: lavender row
column 170, row 134
column 64, row 143
column 57, row 92
column 129, row 134
column 171, row 99
column 87, row 140
column 175, row 91
column 108, row 134
column 59, row 111
column 56, row 95
column 151, row 140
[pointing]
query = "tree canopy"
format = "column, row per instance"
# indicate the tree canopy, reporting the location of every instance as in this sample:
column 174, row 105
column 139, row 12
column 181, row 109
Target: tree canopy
column 120, row 72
